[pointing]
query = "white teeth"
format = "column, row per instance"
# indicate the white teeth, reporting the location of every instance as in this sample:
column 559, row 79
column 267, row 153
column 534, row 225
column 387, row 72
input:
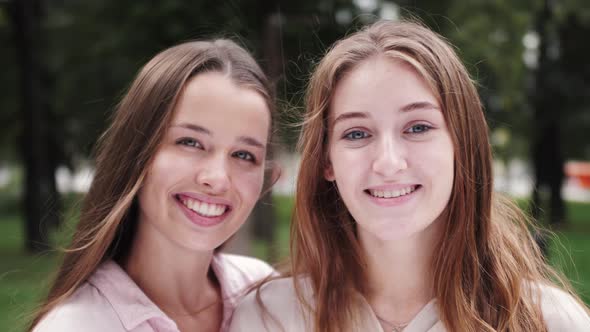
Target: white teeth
column 204, row 209
column 392, row 193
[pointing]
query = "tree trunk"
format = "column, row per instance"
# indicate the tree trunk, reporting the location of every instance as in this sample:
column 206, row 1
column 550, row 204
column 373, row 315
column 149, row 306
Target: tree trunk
column 40, row 196
column 264, row 216
column 547, row 152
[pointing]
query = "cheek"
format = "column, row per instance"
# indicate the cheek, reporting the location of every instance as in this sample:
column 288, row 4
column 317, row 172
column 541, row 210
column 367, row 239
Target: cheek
column 440, row 165
column 447, row 160
column 344, row 161
column 168, row 166
column 166, row 171
column 350, row 168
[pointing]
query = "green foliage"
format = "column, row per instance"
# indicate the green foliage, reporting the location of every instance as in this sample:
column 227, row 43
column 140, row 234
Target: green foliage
column 96, row 47
column 489, row 38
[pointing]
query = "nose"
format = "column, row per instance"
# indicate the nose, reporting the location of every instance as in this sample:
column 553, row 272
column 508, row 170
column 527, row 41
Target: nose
column 213, row 175
column 390, row 158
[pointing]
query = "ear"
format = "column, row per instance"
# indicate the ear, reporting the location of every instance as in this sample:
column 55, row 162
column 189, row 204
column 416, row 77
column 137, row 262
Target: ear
column 275, row 173
column 272, row 172
column 329, row 172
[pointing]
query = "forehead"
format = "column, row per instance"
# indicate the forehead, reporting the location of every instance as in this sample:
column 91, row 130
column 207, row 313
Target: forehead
column 215, row 101
column 380, row 84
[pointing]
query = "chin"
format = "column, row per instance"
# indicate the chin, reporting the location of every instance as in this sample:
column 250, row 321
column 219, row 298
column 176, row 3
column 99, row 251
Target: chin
column 391, row 231
column 203, row 246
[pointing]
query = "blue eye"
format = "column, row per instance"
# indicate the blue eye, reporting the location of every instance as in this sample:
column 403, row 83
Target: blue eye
column 191, row 142
column 244, row 155
column 419, row 129
column 356, row 135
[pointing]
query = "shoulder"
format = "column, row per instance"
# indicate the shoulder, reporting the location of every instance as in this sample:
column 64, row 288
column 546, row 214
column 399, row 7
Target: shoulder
column 561, row 311
column 273, row 307
column 85, row 310
column 282, row 292
column 248, row 268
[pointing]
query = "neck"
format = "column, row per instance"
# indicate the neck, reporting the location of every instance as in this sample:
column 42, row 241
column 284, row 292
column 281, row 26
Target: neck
column 399, row 273
column 176, row 279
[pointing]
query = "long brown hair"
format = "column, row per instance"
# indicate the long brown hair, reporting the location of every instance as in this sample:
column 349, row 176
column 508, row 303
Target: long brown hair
column 124, row 152
column 486, row 266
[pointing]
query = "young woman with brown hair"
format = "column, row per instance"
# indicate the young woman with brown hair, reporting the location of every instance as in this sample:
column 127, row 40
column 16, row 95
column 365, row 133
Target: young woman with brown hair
column 396, row 226
column 177, row 173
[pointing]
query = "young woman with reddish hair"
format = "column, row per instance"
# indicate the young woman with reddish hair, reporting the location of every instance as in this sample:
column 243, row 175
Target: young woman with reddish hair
column 396, row 226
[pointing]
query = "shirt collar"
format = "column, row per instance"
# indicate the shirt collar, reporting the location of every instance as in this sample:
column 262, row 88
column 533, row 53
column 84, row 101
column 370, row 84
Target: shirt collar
column 231, row 287
column 427, row 319
column 134, row 307
column 129, row 302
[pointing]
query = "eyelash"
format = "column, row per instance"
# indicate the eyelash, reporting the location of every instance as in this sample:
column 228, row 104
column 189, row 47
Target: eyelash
column 349, row 135
column 249, row 157
column 412, row 130
column 193, row 143
column 185, row 141
column 426, row 128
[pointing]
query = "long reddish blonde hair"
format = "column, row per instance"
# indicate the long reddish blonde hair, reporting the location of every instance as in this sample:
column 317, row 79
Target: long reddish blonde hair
column 486, row 255
column 124, row 152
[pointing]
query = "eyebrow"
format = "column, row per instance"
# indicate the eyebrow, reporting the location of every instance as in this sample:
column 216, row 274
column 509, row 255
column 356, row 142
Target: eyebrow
column 251, row 141
column 350, row 115
column 193, row 127
column 420, row 105
column 242, row 139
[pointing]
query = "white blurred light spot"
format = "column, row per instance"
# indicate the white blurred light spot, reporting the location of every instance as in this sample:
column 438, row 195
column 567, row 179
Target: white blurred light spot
column 366, row 5
column 4, row 177
column 531, row 40
column 389, row 11
column 79, row 181
column 531, row 58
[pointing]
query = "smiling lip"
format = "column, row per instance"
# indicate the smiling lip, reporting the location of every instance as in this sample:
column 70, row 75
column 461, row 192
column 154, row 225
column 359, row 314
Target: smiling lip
column 200, row 219
column 404, row 193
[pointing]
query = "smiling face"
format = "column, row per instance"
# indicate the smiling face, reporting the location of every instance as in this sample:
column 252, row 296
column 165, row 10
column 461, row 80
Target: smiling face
column 208, row 172
column 390, row 153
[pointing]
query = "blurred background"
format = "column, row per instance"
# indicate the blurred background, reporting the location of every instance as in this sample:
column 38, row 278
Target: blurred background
column 66, row 63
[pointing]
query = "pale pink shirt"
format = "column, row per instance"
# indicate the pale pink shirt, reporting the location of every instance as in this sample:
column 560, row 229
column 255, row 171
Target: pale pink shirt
column 111, row 301
column 283, row 312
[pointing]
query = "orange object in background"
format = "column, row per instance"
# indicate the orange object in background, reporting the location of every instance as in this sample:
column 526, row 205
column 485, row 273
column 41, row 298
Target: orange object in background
column 579, row 170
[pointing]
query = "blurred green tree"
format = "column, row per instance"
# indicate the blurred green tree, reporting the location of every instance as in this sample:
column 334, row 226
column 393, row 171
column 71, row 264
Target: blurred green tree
column 40, row 200
column 87, row 53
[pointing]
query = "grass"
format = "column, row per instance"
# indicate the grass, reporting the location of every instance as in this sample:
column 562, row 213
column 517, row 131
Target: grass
column 570, row 248
column 24, row 277
column 283, row 206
